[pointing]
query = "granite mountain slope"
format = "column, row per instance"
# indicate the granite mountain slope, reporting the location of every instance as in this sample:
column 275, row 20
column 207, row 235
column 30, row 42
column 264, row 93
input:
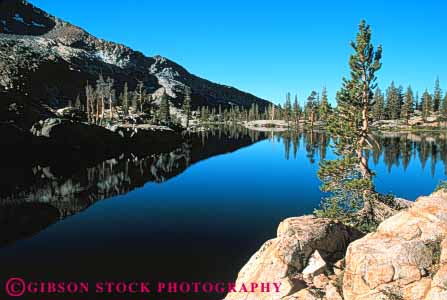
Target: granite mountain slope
column 47, row 61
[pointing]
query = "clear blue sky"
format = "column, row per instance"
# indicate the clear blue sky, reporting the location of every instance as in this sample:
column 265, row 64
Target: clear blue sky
column 270, row 48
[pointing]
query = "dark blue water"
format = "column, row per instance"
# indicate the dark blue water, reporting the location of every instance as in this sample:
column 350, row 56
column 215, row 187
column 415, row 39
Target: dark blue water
column 205, row 221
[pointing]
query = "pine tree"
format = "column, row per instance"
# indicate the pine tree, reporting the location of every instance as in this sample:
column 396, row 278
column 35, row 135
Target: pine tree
column 427, row 105
column 87, row 102
column 400, row 96
column 141, row 94
column 443, row 110
column 110, row 95
column 324, row 108
column 90, row 103
column 279, row 112
column 407, row 107
column 204, row 114
column 164, row 113
column 296, row 111
column 187, row 106
column 252, row 112
column 134, row 101
column 437, row 96
column 317, row 108
column 101, row 90
column 393, row 102
column 148, row 105
column 287, row 109
column 125, row 101
column 348, row 178
column 417, row 105
column 78, row 103
column 311, row 107
column 220, row 112
column 378, row 110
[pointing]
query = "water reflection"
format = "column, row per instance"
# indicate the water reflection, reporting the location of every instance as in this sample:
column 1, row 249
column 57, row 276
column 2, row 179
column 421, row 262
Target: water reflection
column 175, row 230
column 401, row 149
column 34, row 197
column 396, row 149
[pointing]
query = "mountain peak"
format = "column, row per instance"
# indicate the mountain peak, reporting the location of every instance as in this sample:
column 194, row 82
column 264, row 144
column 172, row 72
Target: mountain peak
column 35, row 45
column 19, row 17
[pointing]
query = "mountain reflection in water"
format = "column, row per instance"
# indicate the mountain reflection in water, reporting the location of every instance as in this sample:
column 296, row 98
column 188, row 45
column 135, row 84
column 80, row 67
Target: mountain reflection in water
column 202, row 225
column 34, row 197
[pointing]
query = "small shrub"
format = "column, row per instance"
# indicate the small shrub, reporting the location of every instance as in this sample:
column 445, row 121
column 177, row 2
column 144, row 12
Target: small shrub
column 339, row 282
column 435, row 248
column 393, row 293
column 441, row 185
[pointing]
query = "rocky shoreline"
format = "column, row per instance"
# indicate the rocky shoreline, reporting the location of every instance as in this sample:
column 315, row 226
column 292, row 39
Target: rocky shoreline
column 315, row 258
column 62, row 138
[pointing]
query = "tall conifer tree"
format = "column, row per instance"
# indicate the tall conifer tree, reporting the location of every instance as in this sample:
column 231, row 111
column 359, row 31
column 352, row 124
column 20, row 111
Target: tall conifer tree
column 296, row 111
column 443, row 110
column 311, row 107
column 288, row 108
column 378, row 110
column 392, row 102
column 407, row 107
column 187, row 106
column 125, row 100
column 324, row 108
column 427, row 105
column 437, row 95
column 348, row 178
column 164, row 113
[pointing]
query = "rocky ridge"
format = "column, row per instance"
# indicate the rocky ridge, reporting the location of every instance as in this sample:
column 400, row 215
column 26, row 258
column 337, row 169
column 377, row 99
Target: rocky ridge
column 47, row 61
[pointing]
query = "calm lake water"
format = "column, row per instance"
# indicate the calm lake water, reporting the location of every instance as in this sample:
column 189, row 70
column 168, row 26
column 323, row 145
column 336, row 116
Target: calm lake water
column 194, row 214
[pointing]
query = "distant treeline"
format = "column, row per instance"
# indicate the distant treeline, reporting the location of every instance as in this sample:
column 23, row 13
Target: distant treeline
column 398, row 103
column 316, row 108
column 103, row 104
column 393, row 104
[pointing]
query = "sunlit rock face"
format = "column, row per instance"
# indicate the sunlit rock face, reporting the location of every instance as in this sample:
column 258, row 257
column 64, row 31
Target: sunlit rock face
column 283, row 259
column 405, row 258
column 44, row 59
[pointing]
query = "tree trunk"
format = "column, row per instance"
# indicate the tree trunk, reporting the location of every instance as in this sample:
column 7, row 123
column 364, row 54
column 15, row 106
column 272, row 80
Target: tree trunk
column 111, row 108
column 87, row 101
column 102, row 109
column 97, row 111
column 364, row 167
column 92, row 110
